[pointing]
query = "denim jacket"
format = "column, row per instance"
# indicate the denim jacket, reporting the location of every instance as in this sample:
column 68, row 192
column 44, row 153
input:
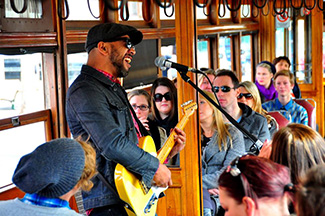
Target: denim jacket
column 96, row 108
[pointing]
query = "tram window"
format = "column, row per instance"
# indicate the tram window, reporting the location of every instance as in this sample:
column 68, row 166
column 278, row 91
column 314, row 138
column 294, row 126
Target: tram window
column 245, row 11
column 170, row 13
column 75, row 62
column 33, row 10
column 12, row 69
column 203, row 53
column 246, row 56
column 13, row 147
column 135, row 11
column 21, row 84
column 79, row 10
column 224, row 52
column 168, row 50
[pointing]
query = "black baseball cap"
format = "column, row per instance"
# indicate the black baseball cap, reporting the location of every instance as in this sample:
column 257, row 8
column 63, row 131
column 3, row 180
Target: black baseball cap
column 107, row 32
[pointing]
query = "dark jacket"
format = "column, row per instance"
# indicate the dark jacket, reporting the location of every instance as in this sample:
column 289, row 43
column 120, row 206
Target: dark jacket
column 96, row 108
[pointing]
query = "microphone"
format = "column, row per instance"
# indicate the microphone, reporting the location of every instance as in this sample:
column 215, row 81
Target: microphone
column 162, row 63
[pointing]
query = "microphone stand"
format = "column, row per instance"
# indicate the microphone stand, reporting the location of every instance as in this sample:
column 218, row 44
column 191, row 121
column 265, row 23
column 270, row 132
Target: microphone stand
column 257, row 144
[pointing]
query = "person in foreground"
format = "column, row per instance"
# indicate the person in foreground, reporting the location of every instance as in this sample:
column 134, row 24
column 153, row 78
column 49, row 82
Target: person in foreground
column 254, row 186
column 97, row 108
column 50, row 176
column 310, row 196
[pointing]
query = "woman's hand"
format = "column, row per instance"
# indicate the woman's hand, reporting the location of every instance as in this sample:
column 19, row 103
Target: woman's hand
column 180, row 140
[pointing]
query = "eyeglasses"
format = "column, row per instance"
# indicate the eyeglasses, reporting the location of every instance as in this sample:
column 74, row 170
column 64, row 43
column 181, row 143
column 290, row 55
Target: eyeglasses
column 141, row 107
column 128, row 42
column 159, row 97
column 222, row 88
column 246, row 95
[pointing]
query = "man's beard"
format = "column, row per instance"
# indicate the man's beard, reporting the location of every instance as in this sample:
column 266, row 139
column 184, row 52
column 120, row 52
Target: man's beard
column 118, row 64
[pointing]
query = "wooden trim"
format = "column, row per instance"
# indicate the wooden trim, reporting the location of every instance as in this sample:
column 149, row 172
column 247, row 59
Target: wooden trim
column 44, row 115
column 14, row 40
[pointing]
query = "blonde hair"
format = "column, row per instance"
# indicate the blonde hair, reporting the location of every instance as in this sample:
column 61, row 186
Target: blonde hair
column 218, row 123
column 257, row 105
column 90, row 165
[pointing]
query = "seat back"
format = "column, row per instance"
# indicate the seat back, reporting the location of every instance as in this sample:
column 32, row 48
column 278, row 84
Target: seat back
column 310, row 105
column 280, row 119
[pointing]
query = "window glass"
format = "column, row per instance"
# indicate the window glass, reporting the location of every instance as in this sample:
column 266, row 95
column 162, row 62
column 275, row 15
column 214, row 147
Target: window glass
column 279, row 45
column 245, row 56
column 33, row 9
column 200, row 13
column 169, row 52
column 224, row 53
column 245, row 11
column 135, row 11
column 21, row 84
column 79, row 10
column 203, row 53
column 75, row 62
column 170, row 11
column 300, row 69
column 14, row 147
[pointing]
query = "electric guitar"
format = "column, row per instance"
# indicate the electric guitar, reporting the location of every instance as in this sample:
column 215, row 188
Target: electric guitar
column 141, row 200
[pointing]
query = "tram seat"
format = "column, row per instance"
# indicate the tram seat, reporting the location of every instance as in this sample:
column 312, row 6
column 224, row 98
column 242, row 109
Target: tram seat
column 310, row 105
column 279, row 118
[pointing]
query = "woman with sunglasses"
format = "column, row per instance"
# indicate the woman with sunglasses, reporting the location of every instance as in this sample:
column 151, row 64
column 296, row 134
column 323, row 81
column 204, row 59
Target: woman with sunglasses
column 140, row 102
column 164, row 103
column 250, row 96
column 254, row 186
column 220, row 144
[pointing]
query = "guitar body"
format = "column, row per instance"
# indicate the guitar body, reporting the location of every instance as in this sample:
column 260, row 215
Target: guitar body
column 130, row 188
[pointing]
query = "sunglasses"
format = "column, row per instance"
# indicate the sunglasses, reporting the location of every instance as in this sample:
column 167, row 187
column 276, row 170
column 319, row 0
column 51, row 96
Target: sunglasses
column 222, row 88
column 159, row 97
column 141, row 107
column 246, row 95
column 127, row 41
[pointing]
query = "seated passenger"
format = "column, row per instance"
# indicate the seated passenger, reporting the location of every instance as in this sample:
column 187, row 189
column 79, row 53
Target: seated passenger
column 310, row 197
column 164, row 103
column 204, row 83
column 220, row 144
column 264, row 73
column 226, row 86
column 284, row 82
column 50, row 176
column 140, row 102
column 250, row 96
column 252, row 186
column 283, row 63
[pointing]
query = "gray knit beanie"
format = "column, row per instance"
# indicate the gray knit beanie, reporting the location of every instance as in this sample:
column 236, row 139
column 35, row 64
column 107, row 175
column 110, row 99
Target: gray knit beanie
column 52, row 169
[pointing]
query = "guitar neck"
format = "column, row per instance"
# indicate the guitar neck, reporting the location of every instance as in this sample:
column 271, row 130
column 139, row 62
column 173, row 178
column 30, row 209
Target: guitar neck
column 169, row 144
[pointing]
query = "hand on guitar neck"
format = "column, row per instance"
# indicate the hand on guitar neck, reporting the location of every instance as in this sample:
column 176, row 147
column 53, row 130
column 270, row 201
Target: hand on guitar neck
column 162, row 178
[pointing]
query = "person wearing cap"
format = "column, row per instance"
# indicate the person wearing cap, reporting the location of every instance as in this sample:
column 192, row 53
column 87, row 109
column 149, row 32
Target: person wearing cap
column 97, row 109
column 50, row 176
column 264, row 73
